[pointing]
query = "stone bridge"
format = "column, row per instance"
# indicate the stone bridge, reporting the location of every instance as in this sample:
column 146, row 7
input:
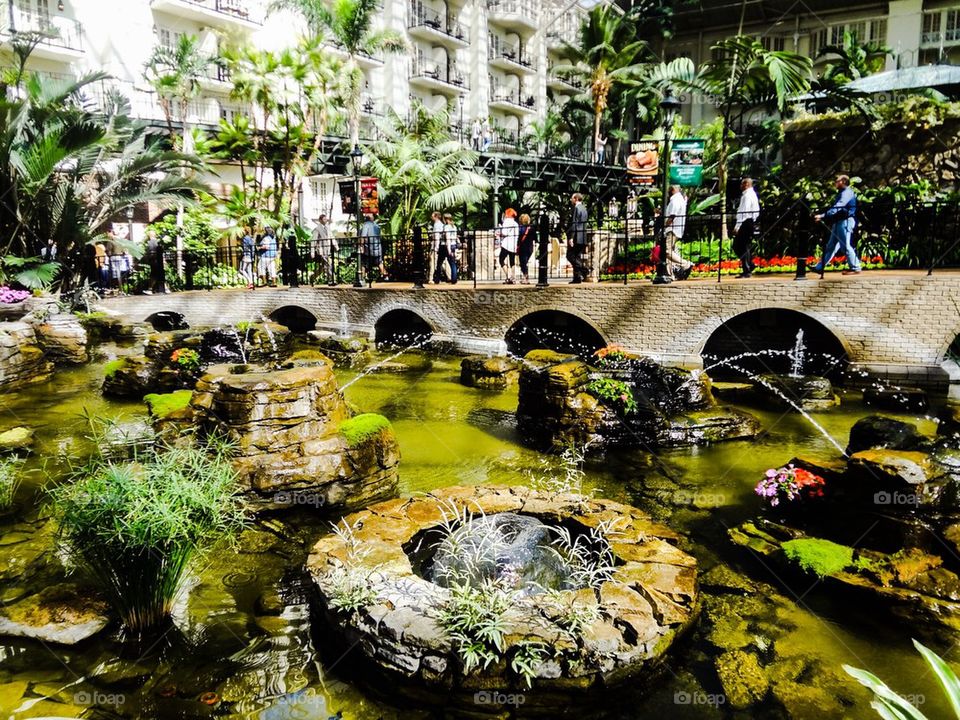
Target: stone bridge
column 890, row 324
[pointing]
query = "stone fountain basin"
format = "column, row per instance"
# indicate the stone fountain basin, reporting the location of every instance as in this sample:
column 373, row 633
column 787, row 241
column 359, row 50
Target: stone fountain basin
column 651, row 599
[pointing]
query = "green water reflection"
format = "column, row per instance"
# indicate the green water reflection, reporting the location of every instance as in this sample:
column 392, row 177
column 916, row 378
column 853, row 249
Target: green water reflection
column 271, row 666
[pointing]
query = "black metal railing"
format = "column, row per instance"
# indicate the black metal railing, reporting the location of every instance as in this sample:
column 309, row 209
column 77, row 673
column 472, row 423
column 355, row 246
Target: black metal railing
column 422, row 17
column 921, row 236
column 445, row 73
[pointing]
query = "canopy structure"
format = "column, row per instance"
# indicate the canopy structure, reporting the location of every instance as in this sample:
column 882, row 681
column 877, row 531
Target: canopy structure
column 943, row 78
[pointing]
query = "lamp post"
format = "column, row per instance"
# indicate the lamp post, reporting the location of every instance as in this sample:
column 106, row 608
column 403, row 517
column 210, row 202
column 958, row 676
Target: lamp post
column 356, row 158
column 130, row 224
column 668, row 107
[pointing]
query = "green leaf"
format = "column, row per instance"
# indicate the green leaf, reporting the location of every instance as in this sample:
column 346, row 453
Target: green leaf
column 945, row 674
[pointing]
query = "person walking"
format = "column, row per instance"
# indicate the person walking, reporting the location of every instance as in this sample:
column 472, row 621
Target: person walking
column 371, row 248
column 248, row 252
column 323, row 246
column 601, row 150
column 508, row 233
column 747, row 213
column 486, row 135
column 577, row 239
column 268, row 257
column 436, row 270
column 153, row 258
column 476, row 132
column 841, row 216
column 525, row 243
column 49, row 252
column 674, row 226
column 450, row 245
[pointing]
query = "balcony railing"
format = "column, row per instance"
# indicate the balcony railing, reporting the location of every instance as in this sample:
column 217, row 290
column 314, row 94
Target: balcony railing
column 435, row 71
column 512, row 97
column 219, row 73
column 422, row 17
column 522, row 8
column 236, row 8
column 371, row 106
column 57, row 32
column 508, row 51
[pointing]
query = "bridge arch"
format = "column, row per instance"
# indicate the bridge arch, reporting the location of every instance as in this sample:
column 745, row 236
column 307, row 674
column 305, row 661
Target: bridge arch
column 295, row 318
column 400, row 328
column 553, row 329
column 164, row 320
column 761, row 339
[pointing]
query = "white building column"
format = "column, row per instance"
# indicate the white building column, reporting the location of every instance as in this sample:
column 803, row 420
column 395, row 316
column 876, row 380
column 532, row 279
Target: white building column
column 904, row 27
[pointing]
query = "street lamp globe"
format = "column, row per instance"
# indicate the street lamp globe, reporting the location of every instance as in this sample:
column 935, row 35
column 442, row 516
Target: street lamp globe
column 669, row 107
column 356, row 157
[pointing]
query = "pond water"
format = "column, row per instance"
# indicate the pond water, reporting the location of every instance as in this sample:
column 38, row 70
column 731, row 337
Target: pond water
column 224, row 658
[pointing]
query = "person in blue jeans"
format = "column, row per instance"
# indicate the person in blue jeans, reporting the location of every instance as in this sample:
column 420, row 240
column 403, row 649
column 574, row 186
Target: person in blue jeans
column 842, row 218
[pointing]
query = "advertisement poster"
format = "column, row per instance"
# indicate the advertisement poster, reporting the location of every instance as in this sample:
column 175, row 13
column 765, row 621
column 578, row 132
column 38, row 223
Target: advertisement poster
column 643, row 162
column 348, row 198
column 369, row 196
column 686, row 161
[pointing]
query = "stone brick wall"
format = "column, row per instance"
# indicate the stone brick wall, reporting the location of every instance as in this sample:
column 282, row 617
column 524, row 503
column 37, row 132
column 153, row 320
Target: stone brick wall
column 896, row 325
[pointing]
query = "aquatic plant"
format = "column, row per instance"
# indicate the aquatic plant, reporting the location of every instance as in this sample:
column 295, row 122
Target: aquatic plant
column 474, row 619
column 611, row 356
column 587, row 557
column 133, row 527
column 526, row 657
column 10, row 476
column 567, row 482
column 789, row 484
column 111, row 368
column 352, row 583
column 891, row 706
column 615, row 393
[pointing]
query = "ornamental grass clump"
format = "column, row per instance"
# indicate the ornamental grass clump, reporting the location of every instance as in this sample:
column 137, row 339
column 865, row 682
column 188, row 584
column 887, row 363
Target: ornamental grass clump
column 10, row 474
column 135, row 526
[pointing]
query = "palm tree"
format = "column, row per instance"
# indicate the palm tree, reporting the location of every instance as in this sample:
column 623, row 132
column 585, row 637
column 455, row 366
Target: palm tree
column 422, row 168
column 66, row 170
column 348, row 25
column 175, row 73
column 852, row 60
column 742, row 76
column 608, row 55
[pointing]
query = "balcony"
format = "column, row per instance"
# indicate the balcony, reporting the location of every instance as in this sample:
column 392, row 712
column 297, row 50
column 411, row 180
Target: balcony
column 222, row 14
column 432, row 75
column 365, row 61
column 560, row 83
column 941, row 28
column 429, row 25
column 217, row 80
column 509, row 57
column 519, row 16
column 512, row 101
column 564, row 31
column 60, row 37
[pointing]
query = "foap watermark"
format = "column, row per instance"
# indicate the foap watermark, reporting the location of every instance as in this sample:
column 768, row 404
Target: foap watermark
column 500, row 299
column 494, row 697
column 895, row 498
column 96, row 698
column 682, row 697
column 297, row 497
column 693, row 498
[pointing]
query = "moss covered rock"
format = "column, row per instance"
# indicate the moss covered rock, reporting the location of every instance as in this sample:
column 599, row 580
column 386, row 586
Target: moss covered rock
column 62, row 614
column 496, row 373
column 357, row 430
column 16, row 440
column 163, row 405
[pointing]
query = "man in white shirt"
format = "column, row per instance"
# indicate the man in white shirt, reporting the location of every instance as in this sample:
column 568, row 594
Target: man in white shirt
column 436, row 270
column 675, row 224
column 323, row 247
column 747, row 213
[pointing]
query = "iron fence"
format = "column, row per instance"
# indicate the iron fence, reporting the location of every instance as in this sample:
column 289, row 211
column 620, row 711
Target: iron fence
column 922, row 235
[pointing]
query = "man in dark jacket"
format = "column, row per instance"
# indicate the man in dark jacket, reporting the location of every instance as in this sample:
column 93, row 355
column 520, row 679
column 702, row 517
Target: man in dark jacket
column 577, row 239
column 841, row 216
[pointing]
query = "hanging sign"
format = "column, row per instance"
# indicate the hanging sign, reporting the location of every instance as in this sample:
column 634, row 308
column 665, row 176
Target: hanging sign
column 643, row 162
column 348, row 198
column 369, row 196
column 686, row 161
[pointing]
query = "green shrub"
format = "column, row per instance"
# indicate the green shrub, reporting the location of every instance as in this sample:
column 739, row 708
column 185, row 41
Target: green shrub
column 134, row 526
column 110, row 369
column 162, row 404
column 819, row 556
column 357, row 430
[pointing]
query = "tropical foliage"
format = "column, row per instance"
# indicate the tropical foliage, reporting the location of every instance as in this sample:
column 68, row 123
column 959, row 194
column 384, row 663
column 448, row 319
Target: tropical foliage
column 422, row 168
column 852, row 60
column 175, row 73
column 67, row 168
column 348, row 23
column 891, row 706
column 134, row 526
